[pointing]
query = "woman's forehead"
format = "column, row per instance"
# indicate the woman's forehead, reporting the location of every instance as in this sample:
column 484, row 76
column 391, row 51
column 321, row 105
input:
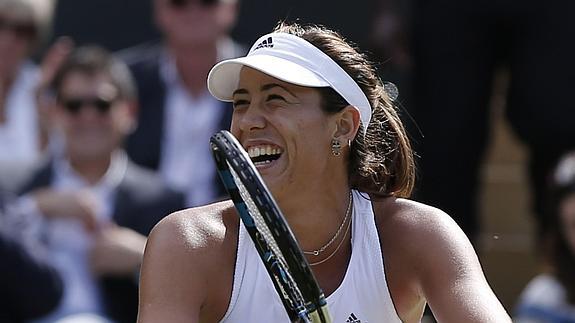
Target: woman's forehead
column 248, row 74
column 250, row 77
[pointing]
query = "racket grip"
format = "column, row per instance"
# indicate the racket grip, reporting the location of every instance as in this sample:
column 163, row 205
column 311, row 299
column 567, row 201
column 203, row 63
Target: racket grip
column 320, row 315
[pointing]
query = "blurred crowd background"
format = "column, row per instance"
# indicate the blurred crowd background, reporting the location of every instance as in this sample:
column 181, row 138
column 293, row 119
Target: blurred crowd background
column 105, row 120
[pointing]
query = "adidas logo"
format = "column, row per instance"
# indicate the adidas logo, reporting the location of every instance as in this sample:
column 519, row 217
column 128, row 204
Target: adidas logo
column 352, row 319
column 267, row 43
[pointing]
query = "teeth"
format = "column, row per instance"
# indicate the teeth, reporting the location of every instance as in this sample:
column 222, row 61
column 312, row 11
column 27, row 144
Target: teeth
column 262, row 162
column 263, row 150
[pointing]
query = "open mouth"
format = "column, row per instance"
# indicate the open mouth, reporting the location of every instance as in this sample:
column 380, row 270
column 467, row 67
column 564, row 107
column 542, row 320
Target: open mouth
column 264, row 154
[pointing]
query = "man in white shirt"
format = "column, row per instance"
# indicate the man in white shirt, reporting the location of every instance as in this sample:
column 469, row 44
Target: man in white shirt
column 89, row 207
column 177, row 114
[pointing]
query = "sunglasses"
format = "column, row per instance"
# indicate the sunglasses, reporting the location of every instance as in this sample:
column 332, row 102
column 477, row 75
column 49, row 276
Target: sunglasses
column 74, row 105
column 21, row 29
column 185, row 3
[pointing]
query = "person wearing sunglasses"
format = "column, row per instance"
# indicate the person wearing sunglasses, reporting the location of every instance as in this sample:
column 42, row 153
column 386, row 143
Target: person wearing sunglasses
column 177, row 114
column 23, row 23
column 90, row 205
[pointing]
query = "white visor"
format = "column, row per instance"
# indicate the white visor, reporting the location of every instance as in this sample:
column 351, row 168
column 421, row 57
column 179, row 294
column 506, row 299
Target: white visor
column 293, row 60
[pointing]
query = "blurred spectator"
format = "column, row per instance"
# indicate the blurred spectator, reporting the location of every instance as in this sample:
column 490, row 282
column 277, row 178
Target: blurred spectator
column 111, row 24
column 177, row 114
column 458, row 47
column 89, row 205
column 23, row 24
column 550, row 296
column 30, row 286
column 389, row 41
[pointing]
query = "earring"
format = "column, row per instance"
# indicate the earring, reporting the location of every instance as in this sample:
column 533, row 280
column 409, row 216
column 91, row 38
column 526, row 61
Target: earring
column 335, row 147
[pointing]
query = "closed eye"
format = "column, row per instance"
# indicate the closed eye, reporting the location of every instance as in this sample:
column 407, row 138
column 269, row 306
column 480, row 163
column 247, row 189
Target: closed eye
column 275, row 97
column 240, row 103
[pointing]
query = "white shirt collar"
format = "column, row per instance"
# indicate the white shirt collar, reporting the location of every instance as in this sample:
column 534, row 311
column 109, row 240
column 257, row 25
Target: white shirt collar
column 111, row 179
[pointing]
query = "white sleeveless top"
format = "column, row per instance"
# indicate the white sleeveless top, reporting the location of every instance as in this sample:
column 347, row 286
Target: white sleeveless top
column 362, row 297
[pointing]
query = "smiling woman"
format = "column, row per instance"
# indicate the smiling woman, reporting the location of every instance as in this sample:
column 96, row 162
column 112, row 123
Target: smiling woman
column 327, row 140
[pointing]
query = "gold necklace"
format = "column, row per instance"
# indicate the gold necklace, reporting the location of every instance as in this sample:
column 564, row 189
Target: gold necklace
column 322, row 249
column 336, row 249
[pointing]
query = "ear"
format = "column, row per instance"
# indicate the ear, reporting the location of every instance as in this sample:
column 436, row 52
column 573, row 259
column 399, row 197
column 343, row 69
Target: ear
column 347, row 124
column 130, row 117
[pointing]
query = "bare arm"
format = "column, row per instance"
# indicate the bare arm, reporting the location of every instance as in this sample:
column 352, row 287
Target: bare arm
column 451, row 277
column 172, row 288
column 429, row 259
column 188, row 267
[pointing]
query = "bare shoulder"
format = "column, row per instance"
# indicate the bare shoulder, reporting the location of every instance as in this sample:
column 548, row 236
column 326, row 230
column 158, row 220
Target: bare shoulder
column 422, row 238
column 429, row 259
column 188, row 265
column 196, row 239
column 417, row 225
column 414, row 238
column 197, row 228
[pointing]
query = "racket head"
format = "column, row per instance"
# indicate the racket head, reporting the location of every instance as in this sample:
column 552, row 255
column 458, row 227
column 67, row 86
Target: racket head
column 284, row 261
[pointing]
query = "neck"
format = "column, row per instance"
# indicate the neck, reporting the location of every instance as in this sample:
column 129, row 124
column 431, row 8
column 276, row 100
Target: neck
column 193, row 63
column 315, row 218
column 92, row 170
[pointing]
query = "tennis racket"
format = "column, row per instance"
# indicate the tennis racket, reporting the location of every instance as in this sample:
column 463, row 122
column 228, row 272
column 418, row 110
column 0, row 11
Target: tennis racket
column 276, row 245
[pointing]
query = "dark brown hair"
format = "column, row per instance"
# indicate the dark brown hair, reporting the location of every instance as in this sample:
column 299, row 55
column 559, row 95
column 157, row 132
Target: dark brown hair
column 381, row 162
column 93, row 60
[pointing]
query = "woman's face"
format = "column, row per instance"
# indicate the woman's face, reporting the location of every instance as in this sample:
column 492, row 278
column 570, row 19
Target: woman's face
column 284, row 130
column 567, row 211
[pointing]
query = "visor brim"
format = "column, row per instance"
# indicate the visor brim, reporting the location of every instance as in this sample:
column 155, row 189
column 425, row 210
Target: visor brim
column 224, row 77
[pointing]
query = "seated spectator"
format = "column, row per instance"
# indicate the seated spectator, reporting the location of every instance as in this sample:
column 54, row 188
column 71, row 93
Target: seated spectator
column 30, row 286
column 177, row 114
column 22, row 25
column 550, row 296
column 89, row 205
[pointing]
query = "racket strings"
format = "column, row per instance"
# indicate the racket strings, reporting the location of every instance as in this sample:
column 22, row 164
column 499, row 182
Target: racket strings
column 275, row 256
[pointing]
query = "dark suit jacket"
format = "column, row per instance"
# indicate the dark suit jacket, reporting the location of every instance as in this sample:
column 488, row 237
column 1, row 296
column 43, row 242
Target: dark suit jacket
column 141, row 201
column 144, row 146
column 30, row 287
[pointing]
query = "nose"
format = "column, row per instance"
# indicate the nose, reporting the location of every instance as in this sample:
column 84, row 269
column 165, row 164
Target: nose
column 251, row 118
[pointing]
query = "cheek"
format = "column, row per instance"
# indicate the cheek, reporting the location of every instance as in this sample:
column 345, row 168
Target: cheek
column 312, row 140
column 234, row 128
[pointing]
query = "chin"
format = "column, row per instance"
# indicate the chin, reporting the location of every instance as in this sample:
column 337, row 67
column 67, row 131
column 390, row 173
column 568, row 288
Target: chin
column 90, row 152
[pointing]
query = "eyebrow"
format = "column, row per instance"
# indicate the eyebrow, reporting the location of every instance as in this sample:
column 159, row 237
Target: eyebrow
column 240, row 91
column 265, row 87
column 272, row 85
